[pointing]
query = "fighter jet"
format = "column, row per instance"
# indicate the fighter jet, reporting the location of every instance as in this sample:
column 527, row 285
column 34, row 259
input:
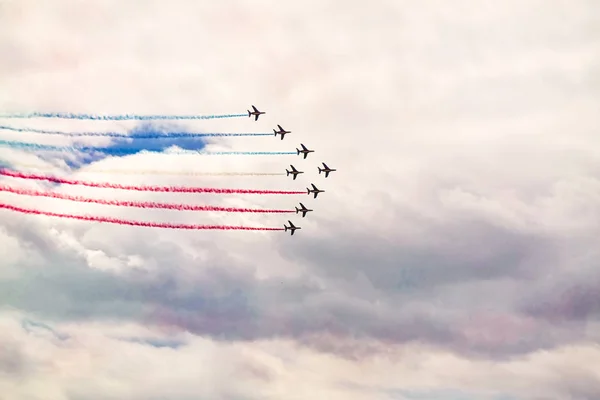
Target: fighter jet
column 256, row 113
column 294, row 172
column 292, row 228
column 315, row 190
column 281, row 131
column 327, row 170
column 304, row 150
column 303, row 210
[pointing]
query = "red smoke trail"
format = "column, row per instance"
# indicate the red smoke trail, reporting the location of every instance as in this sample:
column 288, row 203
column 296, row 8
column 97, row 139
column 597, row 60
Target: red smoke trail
column 171, row 189
column 136, row 223
column 139, row 204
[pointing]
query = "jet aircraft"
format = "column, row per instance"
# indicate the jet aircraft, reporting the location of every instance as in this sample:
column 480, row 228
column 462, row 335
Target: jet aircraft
column 303, row 210
column 327, row 170
column 294, row 172
column 292, row 228
column 281, row 131
column 256, row 113
column 315, row 190
column 304, row 150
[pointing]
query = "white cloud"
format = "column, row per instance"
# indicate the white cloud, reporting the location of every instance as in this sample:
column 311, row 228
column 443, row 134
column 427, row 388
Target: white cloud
column 454, row 248
column 111, row 361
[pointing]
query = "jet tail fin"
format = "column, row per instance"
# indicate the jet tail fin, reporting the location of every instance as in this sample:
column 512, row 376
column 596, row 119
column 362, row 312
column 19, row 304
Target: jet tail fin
column 297, row 151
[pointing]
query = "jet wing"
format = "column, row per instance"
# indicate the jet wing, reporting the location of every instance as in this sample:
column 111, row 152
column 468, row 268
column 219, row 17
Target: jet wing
column 325, row 165
column 314, row 187
column 255, row 109
column 303, row 147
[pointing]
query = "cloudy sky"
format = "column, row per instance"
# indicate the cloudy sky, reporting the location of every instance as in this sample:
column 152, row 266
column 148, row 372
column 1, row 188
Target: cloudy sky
column 454, row 254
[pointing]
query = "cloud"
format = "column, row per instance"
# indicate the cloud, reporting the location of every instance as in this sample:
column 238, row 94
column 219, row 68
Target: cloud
column 101, row 355
column 455, row 246
column 11, row 361
column 135, row 143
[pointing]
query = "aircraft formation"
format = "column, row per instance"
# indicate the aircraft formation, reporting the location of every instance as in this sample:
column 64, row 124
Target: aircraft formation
column 295, row 172
column 13, row 171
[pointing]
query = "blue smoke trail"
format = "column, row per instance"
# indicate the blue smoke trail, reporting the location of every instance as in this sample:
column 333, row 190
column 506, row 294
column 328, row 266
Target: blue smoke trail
column 122, row 151
column 166, row 135
column 250, row 153
column 121, row 117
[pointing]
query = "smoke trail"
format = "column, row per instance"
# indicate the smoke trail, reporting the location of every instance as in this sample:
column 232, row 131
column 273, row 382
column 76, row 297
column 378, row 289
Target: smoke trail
column 138, row 204
column 248, row 153
column 183, row 173
column 135, row 223
column 157, row 172
column 120, row 117
column 169, row 189
column 165, row 135
column 124, row 151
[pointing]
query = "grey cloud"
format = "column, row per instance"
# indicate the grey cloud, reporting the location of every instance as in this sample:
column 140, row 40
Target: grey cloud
column 570, row 302
column 472, row 251
column 12, row 360
column 221, row 303
column 400, row 293
column 399, row 96
column 38, row 328
column 579, row 384
column 158, row 343
column 570, row 296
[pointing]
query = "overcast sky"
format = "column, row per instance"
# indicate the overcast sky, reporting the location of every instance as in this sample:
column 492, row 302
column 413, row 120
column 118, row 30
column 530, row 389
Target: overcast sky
column 454, row 254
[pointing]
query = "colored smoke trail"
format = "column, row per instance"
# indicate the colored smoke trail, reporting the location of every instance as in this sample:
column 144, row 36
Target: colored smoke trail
column 169, row 189
column 138, row 204
column 119, row 117
column 156, row 172
column 126, row 151
column 136, row 223
column 249, row 153
column 165, row 135
column 182, row 173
